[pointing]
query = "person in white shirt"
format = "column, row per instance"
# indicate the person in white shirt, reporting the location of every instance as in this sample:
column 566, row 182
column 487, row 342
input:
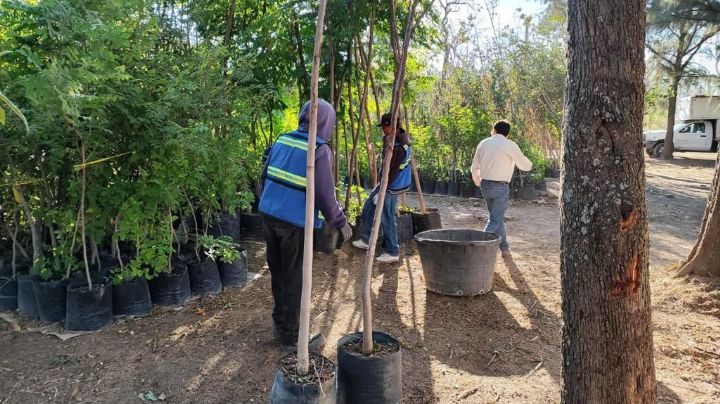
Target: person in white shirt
column 492, row 169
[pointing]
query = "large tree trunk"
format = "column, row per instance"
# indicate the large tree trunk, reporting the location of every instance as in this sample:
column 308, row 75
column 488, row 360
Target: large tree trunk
column 607, row 333
column 670, row 131
column 705, row 256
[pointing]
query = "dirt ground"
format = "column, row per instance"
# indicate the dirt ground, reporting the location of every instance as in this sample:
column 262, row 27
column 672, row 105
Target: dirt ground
column 500, row 347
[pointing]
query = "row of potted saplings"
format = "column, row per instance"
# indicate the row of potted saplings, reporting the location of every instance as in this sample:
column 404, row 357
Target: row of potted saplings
column 464, row 188
column 524, row 187
column 87, row 306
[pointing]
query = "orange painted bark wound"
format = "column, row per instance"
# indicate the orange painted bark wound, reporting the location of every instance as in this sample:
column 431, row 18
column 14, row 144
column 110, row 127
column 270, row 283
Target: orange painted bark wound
column 631, row 284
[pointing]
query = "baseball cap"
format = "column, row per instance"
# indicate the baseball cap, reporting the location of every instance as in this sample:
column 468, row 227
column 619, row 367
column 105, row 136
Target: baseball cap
column 386, row 120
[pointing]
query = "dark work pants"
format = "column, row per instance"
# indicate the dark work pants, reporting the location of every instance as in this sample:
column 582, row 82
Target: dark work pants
column 285, row 257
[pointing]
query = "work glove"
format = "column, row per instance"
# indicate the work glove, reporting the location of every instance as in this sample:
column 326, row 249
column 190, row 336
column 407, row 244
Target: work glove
column 346, row 232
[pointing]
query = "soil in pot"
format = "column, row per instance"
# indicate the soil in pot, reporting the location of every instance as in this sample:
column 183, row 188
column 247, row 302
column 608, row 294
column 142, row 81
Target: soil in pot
column 204, row 277
column 405, row 227
column 80, row 278
column 131, row 298
column 430, row 220
column 171, row 288
column 8, row 294
column 374, row 378
column 27, row 304
column 51, row 297
column 89, row 309
column 252, row 226
column 325, row 239
column 317, row 387
column 234, row 274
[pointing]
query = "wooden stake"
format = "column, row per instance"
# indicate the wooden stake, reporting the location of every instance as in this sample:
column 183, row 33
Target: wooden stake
column 303, row 356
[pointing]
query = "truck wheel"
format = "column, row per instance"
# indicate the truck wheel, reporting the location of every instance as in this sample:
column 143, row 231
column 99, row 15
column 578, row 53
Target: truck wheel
column 658, row 149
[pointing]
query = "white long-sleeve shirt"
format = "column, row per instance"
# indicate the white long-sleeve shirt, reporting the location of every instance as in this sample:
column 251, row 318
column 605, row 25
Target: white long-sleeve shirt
column 495, row 160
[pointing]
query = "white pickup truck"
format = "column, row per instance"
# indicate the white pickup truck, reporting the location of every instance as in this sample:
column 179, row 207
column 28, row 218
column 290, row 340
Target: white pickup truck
column 699, row 133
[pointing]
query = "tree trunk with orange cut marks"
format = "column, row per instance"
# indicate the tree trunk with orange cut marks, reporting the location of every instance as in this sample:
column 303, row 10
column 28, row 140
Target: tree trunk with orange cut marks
column 607, row 332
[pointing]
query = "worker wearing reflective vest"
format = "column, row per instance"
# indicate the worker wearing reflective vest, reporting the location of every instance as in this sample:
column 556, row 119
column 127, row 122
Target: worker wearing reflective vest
column 282, row 204
column 399, row 181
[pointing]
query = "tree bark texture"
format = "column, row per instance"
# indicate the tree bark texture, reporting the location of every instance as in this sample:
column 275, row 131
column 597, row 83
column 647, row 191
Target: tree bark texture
column 607, row 332
column 705, row 256
column 670, row 130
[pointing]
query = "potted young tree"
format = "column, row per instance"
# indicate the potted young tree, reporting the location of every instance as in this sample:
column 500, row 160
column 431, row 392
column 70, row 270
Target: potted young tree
column 232, row 262
column 170, row 286
column 370, row 362
column 50, row 289
column 131, row 293
column 302, row 377
column 230, row 259
column 203, row 270
column 88, row 303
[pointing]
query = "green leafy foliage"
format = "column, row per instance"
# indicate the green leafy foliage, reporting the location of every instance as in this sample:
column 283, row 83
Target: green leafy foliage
column 142, row 114
column 358, row 195
column 221, row 249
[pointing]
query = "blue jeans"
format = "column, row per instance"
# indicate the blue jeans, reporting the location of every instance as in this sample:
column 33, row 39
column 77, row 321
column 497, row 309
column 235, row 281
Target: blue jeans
column 388, row 221
column 497, row 197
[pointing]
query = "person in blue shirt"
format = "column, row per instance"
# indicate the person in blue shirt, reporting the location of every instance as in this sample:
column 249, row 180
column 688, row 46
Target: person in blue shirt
column 399, row 179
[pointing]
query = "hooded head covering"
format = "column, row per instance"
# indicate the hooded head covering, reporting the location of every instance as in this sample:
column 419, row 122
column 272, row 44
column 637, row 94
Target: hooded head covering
column 326, row 119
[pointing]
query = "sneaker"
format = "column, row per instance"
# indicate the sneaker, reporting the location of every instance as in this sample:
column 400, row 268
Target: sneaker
column 316, row 344
column 388, row 259
column 361, row 244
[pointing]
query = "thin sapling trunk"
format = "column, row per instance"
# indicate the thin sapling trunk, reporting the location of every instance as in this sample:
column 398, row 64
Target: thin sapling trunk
column 370, row 256
column 82, row 215
column 303, row 356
